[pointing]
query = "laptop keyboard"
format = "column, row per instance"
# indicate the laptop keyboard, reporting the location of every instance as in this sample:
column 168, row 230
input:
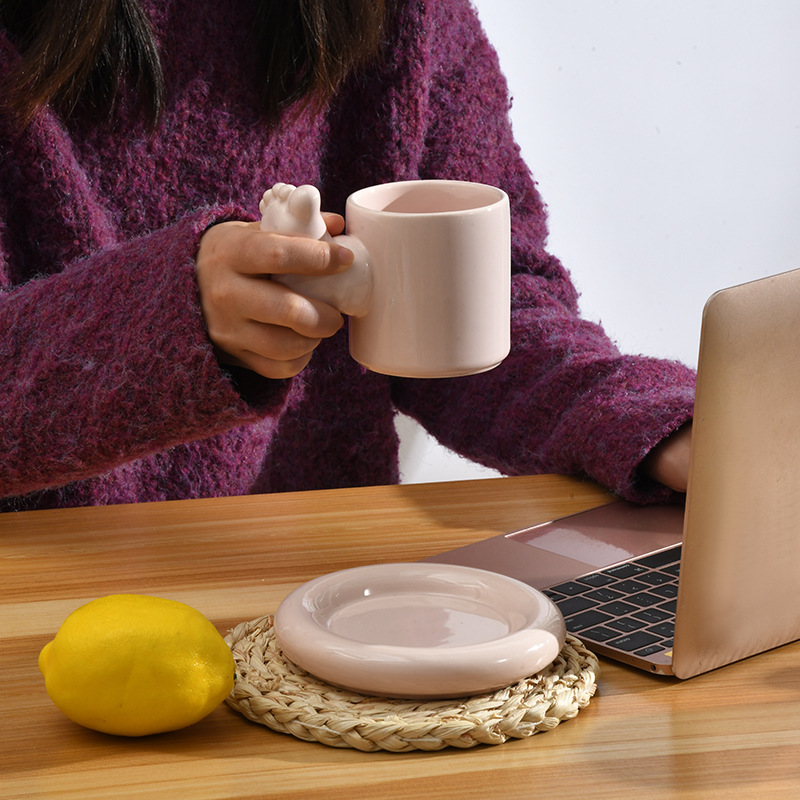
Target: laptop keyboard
column 630, row 606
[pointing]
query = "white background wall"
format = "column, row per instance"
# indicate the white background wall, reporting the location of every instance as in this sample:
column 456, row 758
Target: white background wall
column 665, row 138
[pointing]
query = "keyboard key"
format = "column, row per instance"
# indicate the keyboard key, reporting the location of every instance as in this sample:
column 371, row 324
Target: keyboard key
column 572, row 605
column 622, row 571
column 596, row 579
column 652, row 649
column 666, row 629
column 668, row 590
column 634, row 641
column 626, row 624
column 587, row 619
column 618, row 609
column 599, row 634
column 670, row 605
column 568, row 588
column 656, row 578
column 660, row 559
column 653, row 616
column 644, row 599
column 606, row 595
column 673, row 569
column 630, row 587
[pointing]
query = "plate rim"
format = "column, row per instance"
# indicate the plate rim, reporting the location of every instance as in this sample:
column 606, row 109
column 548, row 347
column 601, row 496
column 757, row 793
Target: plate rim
column 338, row 650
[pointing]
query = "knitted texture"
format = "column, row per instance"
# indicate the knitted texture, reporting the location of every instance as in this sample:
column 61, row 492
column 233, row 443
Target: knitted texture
column 110, row 390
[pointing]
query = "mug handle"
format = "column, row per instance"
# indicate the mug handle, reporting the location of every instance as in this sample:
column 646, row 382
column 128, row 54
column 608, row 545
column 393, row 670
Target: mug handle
column 295, row 211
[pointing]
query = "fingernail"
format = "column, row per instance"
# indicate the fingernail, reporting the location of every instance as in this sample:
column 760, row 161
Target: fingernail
column 346, row 256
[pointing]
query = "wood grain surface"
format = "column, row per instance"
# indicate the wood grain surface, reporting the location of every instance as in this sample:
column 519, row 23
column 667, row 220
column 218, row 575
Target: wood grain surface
column 731, row 733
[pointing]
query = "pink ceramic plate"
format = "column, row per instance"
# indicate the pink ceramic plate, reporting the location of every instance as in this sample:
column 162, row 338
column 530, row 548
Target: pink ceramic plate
column 419, row 630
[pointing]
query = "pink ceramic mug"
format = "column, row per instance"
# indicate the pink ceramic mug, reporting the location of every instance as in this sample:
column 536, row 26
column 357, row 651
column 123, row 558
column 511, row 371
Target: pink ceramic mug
column 428, row 294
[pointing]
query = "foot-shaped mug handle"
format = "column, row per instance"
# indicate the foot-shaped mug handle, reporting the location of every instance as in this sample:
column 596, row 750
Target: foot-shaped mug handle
column 295, row 211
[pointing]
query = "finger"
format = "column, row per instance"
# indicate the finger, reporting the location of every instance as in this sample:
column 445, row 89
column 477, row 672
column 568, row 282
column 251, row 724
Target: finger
column 267, row 367
column 334, row 222
column 266, row 341
column 249, row 343
column 245, row 248
column 263, row 253
column 270, row 303
column 300, row 256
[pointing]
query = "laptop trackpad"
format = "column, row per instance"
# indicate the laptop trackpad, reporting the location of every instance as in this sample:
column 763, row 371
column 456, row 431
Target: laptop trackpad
column 565, row 548
column 607, row 535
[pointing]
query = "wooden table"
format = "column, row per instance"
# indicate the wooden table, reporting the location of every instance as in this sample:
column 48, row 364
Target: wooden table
column 733, row 733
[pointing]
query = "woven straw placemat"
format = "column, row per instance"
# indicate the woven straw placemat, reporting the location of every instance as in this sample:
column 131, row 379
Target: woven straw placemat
column 273, row 691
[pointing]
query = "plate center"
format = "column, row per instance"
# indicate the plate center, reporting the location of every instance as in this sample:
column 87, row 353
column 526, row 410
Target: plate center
column 405, row 620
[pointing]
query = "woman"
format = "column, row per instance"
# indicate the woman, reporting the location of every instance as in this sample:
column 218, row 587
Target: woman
column 145, row 354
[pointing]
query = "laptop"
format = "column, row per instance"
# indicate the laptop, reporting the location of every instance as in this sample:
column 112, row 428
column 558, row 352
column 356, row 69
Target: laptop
column 684, row 590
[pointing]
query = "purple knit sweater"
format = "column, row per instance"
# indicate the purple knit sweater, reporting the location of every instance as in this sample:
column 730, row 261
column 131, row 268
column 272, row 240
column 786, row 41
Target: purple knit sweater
column 109, row 388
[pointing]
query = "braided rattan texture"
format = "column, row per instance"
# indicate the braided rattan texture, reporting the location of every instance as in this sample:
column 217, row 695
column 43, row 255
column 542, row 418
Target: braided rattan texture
column 273, row 691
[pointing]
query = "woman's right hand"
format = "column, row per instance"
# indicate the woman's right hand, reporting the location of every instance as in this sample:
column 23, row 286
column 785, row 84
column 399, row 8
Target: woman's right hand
column 255, row 322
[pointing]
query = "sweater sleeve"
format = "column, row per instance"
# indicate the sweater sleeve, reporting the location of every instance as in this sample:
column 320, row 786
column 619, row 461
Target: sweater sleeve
column 108, row 360
column 565, row 400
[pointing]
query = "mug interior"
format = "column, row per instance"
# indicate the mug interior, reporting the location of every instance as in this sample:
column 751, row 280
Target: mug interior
column 427, row 197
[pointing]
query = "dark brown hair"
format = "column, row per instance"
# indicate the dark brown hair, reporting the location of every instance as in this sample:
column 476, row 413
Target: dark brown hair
column 86, row 51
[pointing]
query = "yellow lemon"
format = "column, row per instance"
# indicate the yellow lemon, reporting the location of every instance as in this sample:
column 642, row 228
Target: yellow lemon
column 133, row 665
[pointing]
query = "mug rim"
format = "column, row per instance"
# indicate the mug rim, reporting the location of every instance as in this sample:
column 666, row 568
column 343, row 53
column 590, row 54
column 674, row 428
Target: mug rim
column 493, row 196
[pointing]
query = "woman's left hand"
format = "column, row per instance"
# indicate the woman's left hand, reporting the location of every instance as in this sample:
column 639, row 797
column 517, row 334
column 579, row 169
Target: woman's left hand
column 668, row 461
